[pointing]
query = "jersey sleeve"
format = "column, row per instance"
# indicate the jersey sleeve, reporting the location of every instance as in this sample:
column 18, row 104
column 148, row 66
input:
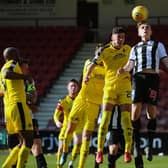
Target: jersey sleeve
column 161, row 50
column 58, row 111
column 132, row 55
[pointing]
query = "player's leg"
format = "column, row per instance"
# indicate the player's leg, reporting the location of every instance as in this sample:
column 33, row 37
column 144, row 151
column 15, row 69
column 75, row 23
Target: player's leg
column 37, row 148
column 116, row 143
column 102, row 130
column 59, row 152
column 75, row 117
column 13, row 144
column 67, row 140
column 84, row 148
column 127, row 129
column 92, row 113
column 151, row 127
column 77, row 138
column 27, row 138
column 113, row 155
column 124, row 100
column 19, row 117
column 136, row 137
column 24, row 127
column 13, row 141
column 38, row 153
column 136, row 123
column 139, row 161
column 60, row 144
column 12, row 157
column 152, row 99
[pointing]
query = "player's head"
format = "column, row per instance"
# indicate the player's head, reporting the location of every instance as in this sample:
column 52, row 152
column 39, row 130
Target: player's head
column 144, row 30
column 11, row 53
column 118, row 36
column 73, row 87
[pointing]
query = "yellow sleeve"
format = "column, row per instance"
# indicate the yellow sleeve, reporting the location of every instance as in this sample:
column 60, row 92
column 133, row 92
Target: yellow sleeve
column 58, row 112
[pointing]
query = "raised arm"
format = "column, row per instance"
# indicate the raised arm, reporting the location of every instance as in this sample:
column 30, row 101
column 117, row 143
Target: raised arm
column 127, row 68
column 88, row 72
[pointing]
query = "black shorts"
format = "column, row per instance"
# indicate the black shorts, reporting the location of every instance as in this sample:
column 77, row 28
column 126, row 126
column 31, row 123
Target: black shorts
column 36, row 128
column 13, row 140
column 117, row 137
column 145, row 88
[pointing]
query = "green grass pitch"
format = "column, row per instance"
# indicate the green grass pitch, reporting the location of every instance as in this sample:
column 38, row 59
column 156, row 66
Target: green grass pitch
column 158, row 161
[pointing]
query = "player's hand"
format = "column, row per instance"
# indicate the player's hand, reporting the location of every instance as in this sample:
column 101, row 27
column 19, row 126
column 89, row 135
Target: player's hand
column 85, row 79
column 58, row 124
column 120, row 71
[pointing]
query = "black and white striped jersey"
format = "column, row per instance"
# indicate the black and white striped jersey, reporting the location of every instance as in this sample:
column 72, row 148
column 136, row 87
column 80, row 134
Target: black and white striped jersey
column 115, row 122
column 147, row 55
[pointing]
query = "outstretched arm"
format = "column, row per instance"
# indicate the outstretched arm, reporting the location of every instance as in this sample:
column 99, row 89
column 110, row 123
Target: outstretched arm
column 127, row 68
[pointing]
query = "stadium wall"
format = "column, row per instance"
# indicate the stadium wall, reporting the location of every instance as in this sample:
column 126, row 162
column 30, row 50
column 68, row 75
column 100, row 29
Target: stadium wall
column 50, row 142
column 64, row 12
column 55, row 14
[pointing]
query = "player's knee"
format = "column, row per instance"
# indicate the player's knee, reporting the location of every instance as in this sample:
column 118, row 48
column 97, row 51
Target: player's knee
column 87, row 135
column 71, row 127
column 113, row 149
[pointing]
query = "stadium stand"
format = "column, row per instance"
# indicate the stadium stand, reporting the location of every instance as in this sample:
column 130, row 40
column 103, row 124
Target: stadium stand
column 47, row 48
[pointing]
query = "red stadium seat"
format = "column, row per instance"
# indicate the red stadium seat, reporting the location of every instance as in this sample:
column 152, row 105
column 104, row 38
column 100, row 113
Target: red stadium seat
column 48, row 48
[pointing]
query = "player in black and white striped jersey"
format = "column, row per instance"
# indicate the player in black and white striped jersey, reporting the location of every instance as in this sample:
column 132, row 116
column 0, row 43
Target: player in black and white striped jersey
column 144, row 59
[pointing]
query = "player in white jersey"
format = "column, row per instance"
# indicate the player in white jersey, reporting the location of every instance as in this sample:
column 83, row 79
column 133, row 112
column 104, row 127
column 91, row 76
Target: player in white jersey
column 144, row 60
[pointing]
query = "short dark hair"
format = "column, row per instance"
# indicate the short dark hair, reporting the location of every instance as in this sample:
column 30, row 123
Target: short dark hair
column 143, row 22
column 118, row 29
column 74, row 80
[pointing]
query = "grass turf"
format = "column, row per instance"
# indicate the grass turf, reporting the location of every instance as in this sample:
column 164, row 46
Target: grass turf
column 158, row 161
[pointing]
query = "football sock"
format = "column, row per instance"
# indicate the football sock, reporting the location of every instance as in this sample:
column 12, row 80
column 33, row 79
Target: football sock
column 112, row 160
column 127, row 128
column 23, row 156
column 103, row 128
column 58, row 157
column 139, row 161
column 136, row 136
column 151, row 126
column 75, row 151
column 83, row 153
column 12, row 158
column 67, row 140
column 41, row 162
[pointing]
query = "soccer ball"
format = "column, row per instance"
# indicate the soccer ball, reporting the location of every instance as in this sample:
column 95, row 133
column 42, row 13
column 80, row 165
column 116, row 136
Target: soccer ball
column 140, row 13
